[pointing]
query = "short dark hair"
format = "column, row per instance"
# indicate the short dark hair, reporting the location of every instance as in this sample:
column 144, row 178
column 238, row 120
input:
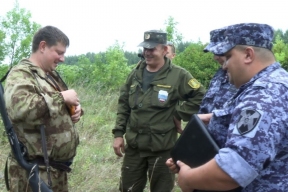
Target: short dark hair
column 169, row 43
column 51, row 35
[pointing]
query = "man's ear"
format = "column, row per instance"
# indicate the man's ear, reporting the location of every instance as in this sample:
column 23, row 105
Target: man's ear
column 174, row 54
column 165, row 49
column 42, row 46
column 249, row 55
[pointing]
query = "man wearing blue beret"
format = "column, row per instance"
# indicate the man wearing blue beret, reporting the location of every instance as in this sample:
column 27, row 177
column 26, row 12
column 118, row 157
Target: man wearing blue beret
column 252, row 127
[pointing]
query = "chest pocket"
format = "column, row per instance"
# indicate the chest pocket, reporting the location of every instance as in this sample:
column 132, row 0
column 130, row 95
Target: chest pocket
column 219, row 124
column 133, row 95
column 162, row 96
column 223, row 115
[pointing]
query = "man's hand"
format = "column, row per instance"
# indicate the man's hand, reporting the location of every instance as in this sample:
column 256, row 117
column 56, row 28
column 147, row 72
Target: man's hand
column 118, row 146
column 76, row 117
column 183, row 177
column 172, row 166
column 205, row 118
column 178, row 125
column 70, row 97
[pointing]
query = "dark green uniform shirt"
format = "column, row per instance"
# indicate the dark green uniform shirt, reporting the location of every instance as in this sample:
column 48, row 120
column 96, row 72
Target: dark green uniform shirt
column 146, row 118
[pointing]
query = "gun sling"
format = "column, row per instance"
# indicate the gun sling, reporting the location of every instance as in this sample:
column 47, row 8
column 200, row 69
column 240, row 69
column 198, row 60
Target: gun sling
column 62, row 166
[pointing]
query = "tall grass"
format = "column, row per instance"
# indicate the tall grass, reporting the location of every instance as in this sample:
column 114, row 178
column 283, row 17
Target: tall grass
column 96, row 168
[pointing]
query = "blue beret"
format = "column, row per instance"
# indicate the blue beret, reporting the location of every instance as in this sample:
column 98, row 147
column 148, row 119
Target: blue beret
column 253, row 34
column 216, row 36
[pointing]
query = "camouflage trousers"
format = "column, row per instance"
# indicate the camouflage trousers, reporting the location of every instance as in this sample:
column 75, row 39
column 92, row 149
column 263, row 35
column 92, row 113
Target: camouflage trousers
column 136, row 169
column 18, row 181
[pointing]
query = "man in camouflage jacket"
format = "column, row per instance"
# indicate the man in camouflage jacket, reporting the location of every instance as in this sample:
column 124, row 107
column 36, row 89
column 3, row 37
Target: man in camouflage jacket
column 36, row 95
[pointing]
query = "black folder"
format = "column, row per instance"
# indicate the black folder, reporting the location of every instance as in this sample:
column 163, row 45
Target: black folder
column 195, row 146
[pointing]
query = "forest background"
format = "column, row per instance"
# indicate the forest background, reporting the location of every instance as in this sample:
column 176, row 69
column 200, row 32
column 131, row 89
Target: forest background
column 97, row 78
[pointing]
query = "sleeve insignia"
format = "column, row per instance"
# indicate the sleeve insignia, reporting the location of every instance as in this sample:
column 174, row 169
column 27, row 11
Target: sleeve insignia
column 248, row 120
column 194, row 83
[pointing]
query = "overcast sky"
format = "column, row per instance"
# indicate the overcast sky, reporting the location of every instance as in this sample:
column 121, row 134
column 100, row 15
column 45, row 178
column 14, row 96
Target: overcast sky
column 94, row 25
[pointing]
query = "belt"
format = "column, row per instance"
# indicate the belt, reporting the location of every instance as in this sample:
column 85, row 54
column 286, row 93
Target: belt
column 62, row 166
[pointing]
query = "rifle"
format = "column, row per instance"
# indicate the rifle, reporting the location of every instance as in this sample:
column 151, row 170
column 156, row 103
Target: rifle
column 35, row 182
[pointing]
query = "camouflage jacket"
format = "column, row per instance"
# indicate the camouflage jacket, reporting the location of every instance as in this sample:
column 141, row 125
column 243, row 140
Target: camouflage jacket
column 146, row 118
column 252, row 130
column 32, row 100
column 219, row 91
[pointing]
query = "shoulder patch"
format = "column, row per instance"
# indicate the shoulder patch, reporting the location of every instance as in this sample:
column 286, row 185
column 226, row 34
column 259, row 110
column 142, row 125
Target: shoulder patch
column 194, row 83
column 248, row 120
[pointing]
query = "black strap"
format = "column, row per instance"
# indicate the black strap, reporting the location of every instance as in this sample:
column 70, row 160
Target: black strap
column 5, row 76
column 58, row 75
column 6, row 175
column 54, row 82
column 62, row 166
column 44, row 149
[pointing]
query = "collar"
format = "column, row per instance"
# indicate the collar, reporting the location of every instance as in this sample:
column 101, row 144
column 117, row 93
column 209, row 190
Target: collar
column 262, row 73
column 162, row 73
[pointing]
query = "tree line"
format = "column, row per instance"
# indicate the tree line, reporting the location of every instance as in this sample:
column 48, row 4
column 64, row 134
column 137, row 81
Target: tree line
column 110, row 68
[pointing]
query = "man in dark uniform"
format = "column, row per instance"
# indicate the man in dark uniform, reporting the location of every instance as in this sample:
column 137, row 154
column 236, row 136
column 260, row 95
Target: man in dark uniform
column 220, row 89
column 251, row 128
column 146, row 114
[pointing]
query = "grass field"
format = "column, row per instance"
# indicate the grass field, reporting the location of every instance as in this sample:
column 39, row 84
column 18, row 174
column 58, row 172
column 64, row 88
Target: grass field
column 96, row 168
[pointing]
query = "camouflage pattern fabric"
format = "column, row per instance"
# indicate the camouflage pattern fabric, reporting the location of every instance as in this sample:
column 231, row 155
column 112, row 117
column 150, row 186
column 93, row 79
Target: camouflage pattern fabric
column 18, row 178
column 253, row 34
column 32, row 102
column 220, row 89
column 219, row 92
column 216, row 36
column 252, row 130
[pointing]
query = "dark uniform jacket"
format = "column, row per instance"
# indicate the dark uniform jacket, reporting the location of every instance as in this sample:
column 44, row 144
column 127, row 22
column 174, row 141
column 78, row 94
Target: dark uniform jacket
column 146, row 118
column 219, row 91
